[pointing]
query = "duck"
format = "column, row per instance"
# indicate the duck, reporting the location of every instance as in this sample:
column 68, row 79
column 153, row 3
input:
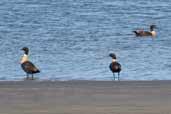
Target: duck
column 115, row 66
column 27, row 65
column 142, row 33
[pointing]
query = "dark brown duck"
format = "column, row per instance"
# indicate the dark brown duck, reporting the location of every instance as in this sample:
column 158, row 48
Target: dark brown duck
column 115, row 67
column 28, row 66
column 141, row 33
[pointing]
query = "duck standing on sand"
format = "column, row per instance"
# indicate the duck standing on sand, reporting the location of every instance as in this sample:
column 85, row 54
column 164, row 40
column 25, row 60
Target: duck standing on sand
column 26, row 65
column 115, row 67
column 141, row 33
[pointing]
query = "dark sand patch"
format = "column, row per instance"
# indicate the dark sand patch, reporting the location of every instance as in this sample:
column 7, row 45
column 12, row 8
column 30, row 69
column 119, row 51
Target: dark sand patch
column 85, row 97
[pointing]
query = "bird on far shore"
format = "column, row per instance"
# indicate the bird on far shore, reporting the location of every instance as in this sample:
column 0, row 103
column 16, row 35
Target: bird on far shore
column 142, row 33
column 115, row 67
column 28, row 66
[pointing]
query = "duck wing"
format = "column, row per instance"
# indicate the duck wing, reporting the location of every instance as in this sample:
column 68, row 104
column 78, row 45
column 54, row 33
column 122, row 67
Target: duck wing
column 115, row 67
column 142, row 33
column 119, row 66
column 29, row 67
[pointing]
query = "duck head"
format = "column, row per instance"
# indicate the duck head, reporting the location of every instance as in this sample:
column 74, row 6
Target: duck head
column 113, row 56
column 26, row 50
column 152, row 27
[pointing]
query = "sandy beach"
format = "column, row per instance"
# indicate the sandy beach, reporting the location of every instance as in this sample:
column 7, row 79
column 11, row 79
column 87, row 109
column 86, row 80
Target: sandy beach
column 85, row 97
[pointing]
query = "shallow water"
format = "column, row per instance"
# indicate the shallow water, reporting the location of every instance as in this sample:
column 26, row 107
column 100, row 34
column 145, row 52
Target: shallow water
column 71, row 39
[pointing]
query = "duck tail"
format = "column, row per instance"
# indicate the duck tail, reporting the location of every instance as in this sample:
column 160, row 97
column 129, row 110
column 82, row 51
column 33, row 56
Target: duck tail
column 135, row 32
column 38, row 71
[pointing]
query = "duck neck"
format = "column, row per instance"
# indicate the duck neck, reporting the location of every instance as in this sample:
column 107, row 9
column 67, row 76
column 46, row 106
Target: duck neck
column 26, row 53
column 24, row 58
column 114, row 60
column 153, row 33
column 151, row 28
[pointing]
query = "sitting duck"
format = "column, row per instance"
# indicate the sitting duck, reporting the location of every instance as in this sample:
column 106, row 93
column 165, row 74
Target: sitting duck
column 28, row 66
column 141, row 33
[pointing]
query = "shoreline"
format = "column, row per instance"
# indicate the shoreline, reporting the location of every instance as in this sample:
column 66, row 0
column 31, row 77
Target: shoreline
column 37, row 82
column 84, row 80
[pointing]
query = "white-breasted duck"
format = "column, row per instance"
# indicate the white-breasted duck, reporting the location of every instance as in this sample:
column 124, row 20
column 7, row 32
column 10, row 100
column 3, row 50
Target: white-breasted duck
column 115, row 67
column 28, row 66
column 141, row 33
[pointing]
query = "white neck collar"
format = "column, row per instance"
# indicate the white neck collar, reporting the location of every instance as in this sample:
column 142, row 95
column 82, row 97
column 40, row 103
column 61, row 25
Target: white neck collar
column 25, row 55
column 114, row 60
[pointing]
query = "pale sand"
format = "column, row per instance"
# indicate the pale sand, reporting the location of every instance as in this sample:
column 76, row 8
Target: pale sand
column 85, row 97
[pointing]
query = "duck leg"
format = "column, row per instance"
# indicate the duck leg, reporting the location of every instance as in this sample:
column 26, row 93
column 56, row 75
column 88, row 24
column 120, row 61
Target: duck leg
column 114, row 76
column 118, row 76
column 27, row 76
column 32, row 77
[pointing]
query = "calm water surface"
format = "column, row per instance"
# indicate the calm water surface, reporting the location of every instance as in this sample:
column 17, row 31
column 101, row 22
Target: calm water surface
column 71, row 39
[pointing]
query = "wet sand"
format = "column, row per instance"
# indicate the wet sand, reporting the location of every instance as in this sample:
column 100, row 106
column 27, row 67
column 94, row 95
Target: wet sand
column 85, row 97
